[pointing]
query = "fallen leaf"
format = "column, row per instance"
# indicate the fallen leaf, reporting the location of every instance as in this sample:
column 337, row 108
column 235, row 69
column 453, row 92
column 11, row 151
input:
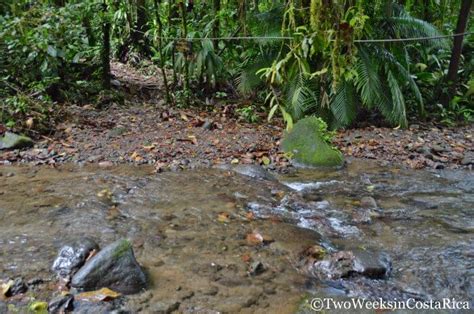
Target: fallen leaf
column 136, row 157
column 149, row 147
column 223, row 217
column 105, row 193
column 29, row 123
column 234, row 161
column 184, row 116
column 266, row 161
column 104, row 294
column 246, row 258
column 250, row 216
column 255, row 238
column 106, row 164
column 193, row 139
column 314, row 252
column 38, row 307
column 6, row 287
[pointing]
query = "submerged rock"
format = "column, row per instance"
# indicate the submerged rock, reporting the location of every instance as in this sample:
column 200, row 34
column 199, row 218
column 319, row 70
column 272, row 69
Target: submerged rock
column 114, row 267
column 14, row 287
column 253, row 171
column 345, row 264
column 72, row 256
column 61, row 304
column 336, row 265
column 375, row 265
column 368, row 202
column 11, row 141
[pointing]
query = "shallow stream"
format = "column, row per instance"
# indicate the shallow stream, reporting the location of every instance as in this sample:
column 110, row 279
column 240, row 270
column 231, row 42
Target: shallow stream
column 190, row 230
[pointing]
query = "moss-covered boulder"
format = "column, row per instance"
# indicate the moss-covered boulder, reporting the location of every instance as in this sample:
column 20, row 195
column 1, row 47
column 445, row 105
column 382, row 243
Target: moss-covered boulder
column 11, row 141
column 305, row 142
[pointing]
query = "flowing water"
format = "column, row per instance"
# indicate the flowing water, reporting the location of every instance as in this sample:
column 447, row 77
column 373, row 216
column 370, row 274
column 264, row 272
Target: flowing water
column 189, row 229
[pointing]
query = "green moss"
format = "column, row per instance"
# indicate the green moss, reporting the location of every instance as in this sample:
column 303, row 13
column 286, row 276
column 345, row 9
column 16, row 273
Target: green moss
column 11, row 140
column 122, row 248
column 307, row 145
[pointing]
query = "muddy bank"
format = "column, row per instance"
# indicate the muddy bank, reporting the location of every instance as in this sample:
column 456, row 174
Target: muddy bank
column 173, row 139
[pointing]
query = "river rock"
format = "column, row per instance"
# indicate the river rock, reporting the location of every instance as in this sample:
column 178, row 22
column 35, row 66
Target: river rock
column 72, row 256
column 114, row 267
column 368, row 202
column 11, row 141
column 375, row 265
column 253, row 171
column 336, row 265
column 344, row 264
column 164, row 307
column 61, row 304
column 3, row 307
column 16, row 287
column 468, row 159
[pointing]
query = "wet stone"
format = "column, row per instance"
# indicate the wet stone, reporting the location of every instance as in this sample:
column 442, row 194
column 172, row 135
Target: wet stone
column 61, row 304
column 11, row 141
column 256, row 268
column 72, row 256
column 114, row 267
column 335, row 266
column 85, row 307
column 164, row 307
column 3, row 307
column 375, row 265
column 18, row 287
column 252, row 171
column 368, row 202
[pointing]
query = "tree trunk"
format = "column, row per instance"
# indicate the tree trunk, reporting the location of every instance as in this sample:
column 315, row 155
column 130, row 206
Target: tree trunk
column 185, row 35
column 452, row 75
column 160, row 48
column 105, row 48
column 215, row 28
column 138, row 35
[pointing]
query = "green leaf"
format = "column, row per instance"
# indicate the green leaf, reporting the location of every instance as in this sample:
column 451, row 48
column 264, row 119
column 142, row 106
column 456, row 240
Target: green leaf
column 52, row 51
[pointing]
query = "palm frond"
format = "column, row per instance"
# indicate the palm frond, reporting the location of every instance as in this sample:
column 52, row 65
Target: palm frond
column 367, row 81
column 344, row 104
column 247, row 80
column 301, row 96
column 402, row 72
column 398, row 112
column 404, row 25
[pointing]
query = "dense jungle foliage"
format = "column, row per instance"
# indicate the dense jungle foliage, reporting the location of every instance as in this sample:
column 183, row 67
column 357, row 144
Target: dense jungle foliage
column 294, row 58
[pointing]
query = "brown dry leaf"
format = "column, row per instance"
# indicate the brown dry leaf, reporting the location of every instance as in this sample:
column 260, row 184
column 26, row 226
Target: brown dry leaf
column 254, row 238
column 183, row 116
column 29, row 123
column 193, row 139
column 104, row 294
column 136, row 157
column 223, row 217
column 250, row 216
column 149, row 147
column 246, row 258
column 6, row 287
column 105, row 193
